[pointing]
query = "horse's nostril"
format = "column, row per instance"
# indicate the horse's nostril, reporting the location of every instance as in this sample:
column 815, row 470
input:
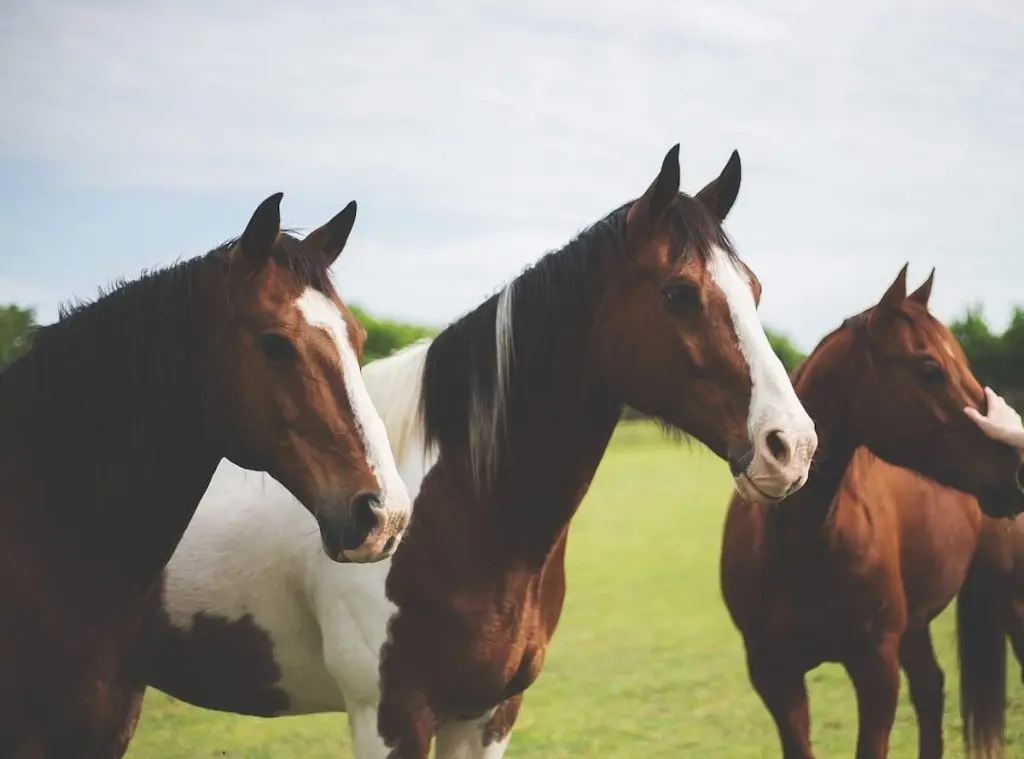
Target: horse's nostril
column 365, row 507
column 389, row 544
column 1020, row 477
column 777, row 447
column 364, row 518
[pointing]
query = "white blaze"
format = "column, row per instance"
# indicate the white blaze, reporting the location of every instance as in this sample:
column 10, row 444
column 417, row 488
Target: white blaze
column 773, row 400
column 319, row 311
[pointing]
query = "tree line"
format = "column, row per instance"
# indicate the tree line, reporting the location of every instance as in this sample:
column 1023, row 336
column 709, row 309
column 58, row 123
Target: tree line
column 996, row 358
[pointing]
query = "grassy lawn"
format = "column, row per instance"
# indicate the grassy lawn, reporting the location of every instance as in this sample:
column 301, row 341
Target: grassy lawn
column 645, row 662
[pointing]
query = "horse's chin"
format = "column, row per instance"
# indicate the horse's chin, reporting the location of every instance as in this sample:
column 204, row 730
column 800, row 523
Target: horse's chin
column 751, row 493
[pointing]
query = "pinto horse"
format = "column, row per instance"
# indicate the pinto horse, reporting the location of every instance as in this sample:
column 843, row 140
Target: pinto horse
column 112, row 426
column 499, row 425
column 853, row 567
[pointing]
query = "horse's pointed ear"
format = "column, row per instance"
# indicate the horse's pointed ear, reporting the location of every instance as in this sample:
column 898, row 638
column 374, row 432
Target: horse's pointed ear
column 330, row 239
column 647, row 211
column 263, row 229
column 893, row 298
column 720, row 193
column 924, row 292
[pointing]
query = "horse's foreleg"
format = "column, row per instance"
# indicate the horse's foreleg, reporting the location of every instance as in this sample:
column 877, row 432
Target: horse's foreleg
column 485, row 738
column 366, row 741
column 406, row 723
column 875, row 673
column 779, row 682
column 927, row 684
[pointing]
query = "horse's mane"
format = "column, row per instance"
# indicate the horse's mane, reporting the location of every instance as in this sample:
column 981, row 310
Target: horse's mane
column 148, row 308
column 101, row 354
column 480, row 369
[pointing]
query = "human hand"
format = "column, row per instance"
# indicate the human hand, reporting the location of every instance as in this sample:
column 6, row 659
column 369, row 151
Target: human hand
column 1001, row 422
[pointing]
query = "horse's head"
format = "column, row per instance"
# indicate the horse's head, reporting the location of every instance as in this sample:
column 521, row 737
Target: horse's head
column 909, row 382
column 681, row 338
column 285, row 392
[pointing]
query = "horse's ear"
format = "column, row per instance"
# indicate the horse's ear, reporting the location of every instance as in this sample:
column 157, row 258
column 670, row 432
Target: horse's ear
column 893, row 298
column 924, row 292
column 262, row 231
column 330, row 239
column 720, row 193
column 647, row 211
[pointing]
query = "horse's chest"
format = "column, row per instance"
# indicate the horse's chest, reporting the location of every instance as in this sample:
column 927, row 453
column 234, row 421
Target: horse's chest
column 826, row 606
column 490, row 654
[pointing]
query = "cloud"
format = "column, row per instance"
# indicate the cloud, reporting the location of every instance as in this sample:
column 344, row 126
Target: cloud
column 886, row 131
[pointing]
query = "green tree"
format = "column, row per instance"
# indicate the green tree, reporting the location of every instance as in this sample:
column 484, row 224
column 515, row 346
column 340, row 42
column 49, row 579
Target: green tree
column 16, row 327
column 996, row 359
column 384, row 337
column 789, row 354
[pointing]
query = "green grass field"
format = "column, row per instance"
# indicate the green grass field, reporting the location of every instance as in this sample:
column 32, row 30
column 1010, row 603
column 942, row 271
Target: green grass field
column 645, row 662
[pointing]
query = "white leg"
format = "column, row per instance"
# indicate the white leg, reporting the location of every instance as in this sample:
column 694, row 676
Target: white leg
column 366, row 741
column 465, row 740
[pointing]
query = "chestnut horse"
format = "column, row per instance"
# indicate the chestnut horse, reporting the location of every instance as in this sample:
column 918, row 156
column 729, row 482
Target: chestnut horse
column 499, row 425
column 112, row 426
column 990, row 610
column 853, row 567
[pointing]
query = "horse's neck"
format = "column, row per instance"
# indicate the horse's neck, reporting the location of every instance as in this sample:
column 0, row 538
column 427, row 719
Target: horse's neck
column 116, row 450
column 554, row 449
column 809, row 508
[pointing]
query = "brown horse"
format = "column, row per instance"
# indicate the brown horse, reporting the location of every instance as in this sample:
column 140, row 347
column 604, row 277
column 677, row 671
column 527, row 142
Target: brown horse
column 853, row 567
column 990, row 610
column 111, row 428
column 505, row 416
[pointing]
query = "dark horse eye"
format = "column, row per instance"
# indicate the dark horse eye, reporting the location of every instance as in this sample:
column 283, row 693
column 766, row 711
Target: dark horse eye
column 681, row 296
column 931, row 371
column 277, row 347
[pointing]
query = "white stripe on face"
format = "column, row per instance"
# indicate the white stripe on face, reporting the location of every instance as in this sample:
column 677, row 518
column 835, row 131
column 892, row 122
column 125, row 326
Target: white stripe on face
column 773, row 400
column 319, row 311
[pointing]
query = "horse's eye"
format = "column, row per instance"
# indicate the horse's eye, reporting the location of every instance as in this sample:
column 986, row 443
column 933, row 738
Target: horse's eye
column 277, row 347
column 681, row 296
column 931, row 372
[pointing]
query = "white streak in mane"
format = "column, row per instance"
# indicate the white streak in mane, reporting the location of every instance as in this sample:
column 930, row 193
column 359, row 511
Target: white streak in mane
column 487, row 412
column 395, row 384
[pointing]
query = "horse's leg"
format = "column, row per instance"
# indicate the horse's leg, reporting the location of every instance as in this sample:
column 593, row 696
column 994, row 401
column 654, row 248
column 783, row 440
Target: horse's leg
column 876, row 679
column 406, row 722
column 366, row 741
column 1015, row 631
column 779, row 682
column 927, row 684
column 485, row 738
column 353, row 663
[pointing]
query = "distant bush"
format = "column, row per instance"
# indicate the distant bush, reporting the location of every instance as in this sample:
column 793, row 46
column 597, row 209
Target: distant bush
column 16, row 327
column 384, row 337
column 996, row 359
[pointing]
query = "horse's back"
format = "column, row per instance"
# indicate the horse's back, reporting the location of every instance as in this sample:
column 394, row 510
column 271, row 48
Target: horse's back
column 395, row 387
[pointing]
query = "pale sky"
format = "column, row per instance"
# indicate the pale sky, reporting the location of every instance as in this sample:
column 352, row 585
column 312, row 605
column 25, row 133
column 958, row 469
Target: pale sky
column 476, row 135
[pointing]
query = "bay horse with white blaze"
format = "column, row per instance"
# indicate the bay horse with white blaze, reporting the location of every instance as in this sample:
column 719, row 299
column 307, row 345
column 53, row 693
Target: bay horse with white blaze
column 853, row 568
column 498, row 425
column 112, row 426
